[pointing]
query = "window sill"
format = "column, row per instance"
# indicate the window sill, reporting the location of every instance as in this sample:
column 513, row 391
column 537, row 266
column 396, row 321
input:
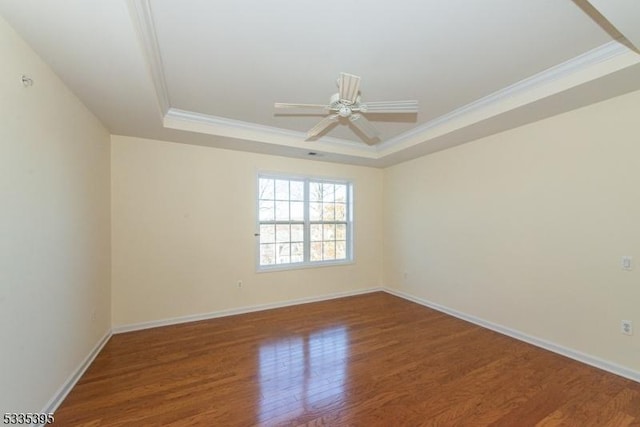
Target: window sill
column 303, row 266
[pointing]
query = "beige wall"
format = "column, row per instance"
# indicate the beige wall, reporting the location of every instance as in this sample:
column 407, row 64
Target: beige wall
column 54, row 230
column 526, row 229
column 183, row 222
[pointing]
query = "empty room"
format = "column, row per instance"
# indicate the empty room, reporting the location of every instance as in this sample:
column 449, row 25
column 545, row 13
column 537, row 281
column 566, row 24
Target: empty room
column 291, row 213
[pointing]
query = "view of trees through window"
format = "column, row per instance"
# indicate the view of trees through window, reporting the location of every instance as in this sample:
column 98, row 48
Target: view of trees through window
column 303, row 220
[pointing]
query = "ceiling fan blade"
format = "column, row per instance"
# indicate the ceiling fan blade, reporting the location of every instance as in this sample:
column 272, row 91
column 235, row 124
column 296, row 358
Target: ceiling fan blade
column 322, row 125
column 349, row 86
column 390, row 107
column 287, row 105
column 365, row 126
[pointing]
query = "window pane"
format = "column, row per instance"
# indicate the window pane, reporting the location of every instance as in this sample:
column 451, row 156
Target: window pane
column 267, row 211
column 297, row 252
column 282, row 233
column 328, row 212
column 316, row 251
column 341, row 250
column 297, row 190
column 315, row 191
column 282, row 189
column 329, row 232
column 297, row 215
column 282, row 211
column 267, row 254
column 328, row 250
column 315, row 211
column 341, row 193
column 316, row 232
column 328, row 192
column 297, row 211
column 297, row 233
column 341, row 212
column 267, row 234
column 283, row 253
column 265, row 188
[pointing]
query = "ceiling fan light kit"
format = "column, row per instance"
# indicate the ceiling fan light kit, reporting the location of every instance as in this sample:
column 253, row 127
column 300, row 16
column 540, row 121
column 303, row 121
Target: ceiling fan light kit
column 347, row 103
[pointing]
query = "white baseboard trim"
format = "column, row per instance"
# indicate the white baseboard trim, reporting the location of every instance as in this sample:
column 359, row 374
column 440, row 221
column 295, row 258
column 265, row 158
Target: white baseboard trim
column 71, row 381
column 538, row 342
column 241, row 310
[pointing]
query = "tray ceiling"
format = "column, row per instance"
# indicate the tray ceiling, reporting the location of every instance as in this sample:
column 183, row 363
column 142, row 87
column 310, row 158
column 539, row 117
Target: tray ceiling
column 208, row 73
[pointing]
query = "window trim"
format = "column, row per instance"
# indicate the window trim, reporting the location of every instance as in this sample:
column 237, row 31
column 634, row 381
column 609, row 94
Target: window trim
column 350, row 259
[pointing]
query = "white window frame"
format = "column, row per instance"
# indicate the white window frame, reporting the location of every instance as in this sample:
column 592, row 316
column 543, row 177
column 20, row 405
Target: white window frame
column 306, row 263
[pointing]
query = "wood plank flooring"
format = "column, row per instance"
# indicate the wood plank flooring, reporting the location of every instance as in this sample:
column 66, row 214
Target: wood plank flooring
column 369, row 360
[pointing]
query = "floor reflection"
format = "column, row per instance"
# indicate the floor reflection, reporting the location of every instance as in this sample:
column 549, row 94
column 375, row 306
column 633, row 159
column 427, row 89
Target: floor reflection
column 302, row 374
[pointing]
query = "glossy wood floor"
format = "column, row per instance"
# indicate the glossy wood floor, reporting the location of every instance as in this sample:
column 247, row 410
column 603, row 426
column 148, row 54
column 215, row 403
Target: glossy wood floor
column 370, row 360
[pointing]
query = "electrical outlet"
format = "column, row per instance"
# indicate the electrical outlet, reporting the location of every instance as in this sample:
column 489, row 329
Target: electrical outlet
column 627, row 263
column 626, row 327
column 239, row 283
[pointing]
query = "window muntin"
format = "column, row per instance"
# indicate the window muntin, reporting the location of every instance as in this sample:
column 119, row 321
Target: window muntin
column 303, row 221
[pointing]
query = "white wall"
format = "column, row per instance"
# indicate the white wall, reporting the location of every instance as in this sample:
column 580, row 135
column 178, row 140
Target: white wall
column 54, row 230
column 183, row 220
column 526, row 229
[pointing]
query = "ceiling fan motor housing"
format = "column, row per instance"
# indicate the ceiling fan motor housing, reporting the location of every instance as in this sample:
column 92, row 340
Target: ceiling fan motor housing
column 343, row 107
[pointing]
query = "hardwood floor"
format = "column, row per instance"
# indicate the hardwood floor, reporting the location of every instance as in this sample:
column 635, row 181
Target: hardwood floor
column 369, row 360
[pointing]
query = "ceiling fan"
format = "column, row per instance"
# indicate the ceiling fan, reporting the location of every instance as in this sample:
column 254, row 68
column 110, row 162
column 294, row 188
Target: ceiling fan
column 348, row 104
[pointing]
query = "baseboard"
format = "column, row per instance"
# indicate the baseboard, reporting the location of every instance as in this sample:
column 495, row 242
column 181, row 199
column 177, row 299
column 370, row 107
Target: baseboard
column 538, row 342
column 234, row 311
column 71, row 381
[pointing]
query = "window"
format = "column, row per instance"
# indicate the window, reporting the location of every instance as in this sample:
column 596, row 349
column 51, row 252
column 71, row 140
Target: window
column 303, row 221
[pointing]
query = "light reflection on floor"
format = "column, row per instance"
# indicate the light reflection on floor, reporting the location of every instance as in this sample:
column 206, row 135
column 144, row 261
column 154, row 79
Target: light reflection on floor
column 302, row 374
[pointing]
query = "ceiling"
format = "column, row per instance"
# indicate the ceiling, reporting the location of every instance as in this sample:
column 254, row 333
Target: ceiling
column 208, row 73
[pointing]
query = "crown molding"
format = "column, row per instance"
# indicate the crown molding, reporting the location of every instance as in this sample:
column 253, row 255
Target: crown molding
column 142, row 17
column 213, row 125
column 558, row 78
